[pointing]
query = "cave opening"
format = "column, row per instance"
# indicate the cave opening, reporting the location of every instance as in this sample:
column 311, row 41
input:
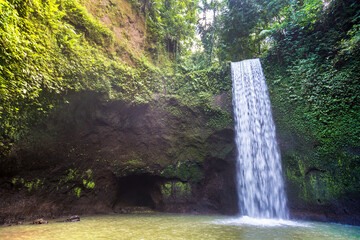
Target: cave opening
column 139, row 191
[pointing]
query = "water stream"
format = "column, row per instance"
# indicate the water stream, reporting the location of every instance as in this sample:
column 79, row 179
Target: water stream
column 260, row 184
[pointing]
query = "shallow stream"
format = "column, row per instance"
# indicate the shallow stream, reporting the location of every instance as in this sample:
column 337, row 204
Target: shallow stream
column 172, row 226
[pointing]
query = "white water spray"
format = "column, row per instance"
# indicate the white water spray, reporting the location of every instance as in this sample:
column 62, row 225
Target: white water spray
column 259, row 174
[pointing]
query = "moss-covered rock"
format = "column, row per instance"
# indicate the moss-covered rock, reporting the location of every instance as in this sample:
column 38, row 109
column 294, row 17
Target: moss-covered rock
column 92, row 152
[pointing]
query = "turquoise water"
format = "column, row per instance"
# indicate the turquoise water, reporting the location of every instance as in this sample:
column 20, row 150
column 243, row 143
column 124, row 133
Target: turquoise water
column 171, row 226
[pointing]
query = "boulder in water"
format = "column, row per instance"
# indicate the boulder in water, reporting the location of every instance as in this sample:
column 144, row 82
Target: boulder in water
column 40, row 221
column 74, row 218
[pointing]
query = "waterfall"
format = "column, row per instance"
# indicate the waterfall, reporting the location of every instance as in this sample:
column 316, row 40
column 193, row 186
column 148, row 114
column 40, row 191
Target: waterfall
column 259, row 175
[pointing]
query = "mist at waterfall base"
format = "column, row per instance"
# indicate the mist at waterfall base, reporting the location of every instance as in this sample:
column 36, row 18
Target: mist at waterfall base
column 262, row 198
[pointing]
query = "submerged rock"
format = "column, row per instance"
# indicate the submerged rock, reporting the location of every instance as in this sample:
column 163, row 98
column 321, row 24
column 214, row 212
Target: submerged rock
column 39, row 221
column 134, row 210
column 74, row 218
column 13, row 223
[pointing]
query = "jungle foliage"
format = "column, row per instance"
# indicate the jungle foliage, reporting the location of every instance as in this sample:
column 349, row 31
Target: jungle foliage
column 310, row 54
column 54, row 48
column 172, row 24
column 310, row 51
column 313, row 73
column 51, row 48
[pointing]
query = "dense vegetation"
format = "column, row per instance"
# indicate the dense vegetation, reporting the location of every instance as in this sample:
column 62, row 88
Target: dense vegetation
column 311, row 58
column 52, row 48
column 310, row 53
column 313, row 73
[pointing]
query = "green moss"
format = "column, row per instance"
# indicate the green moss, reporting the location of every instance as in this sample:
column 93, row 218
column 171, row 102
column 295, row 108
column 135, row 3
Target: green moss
column 183, row 190
column 14, row 180
column 174, row 110
column 138, row 162
column 88, row 184
column 186, row 171
column 77, row 191
column 176, row 190
column 132, row 163
column 76, row 178
column 72, row 174
column 194, row 153
column 28, row 184
column 79, row 17
column 315, row 186
column 88, row 173
column 166, row 190
column 220, row 119
column 201, row 84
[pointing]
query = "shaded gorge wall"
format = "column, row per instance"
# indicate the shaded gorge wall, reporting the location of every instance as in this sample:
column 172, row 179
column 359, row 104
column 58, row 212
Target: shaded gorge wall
column 93, row 155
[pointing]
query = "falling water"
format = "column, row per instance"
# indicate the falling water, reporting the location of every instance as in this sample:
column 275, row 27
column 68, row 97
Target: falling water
column 259, row 174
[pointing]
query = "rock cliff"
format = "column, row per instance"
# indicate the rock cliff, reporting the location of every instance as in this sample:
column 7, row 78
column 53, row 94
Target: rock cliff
column 99, row 156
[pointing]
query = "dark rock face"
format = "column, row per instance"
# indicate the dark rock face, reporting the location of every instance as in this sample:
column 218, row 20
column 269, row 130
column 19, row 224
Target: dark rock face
column 306, row 192
column 346, row 211
column 95, row 156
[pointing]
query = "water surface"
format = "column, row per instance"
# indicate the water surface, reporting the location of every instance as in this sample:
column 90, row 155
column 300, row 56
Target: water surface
column 171, row 226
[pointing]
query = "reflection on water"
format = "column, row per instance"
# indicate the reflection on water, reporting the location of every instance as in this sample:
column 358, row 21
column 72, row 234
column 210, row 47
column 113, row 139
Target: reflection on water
column 260, row 222
column 169, row 226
